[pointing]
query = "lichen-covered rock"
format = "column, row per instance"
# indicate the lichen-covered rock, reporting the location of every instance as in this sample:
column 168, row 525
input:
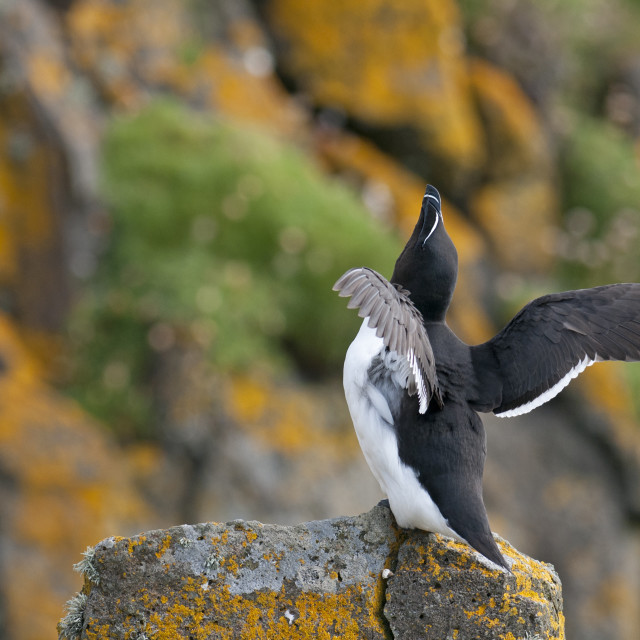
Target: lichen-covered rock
column 388, row 65
column 242, row 580
column 48, row 168
column 140, row 47
column 520, row 191
column 357, row 577
column 442, row 591
column 63, row 485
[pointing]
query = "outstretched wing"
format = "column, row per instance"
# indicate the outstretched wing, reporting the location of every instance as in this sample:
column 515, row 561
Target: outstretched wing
column 391, row 313
column 552, row 340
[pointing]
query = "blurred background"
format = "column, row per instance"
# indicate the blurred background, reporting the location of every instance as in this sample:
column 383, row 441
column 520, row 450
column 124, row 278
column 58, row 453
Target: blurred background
column 181, row 183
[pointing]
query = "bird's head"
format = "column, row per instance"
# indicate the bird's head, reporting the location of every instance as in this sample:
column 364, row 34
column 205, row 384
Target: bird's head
column 428, row 265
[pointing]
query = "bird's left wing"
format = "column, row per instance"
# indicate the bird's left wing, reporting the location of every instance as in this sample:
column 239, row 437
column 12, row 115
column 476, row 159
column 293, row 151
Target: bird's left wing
column 550, row 341
column 389, row 310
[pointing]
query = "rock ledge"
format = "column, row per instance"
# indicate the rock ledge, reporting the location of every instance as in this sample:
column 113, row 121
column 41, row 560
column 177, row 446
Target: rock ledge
column 351, row 577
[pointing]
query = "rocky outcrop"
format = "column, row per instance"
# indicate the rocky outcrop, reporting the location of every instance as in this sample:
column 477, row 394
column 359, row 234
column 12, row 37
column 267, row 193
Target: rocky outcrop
column 350, row 577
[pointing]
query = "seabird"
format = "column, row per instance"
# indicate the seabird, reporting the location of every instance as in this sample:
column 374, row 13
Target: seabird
column 414, row 388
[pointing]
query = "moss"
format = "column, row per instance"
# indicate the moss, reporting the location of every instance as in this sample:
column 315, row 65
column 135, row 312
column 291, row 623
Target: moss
column 223, row 238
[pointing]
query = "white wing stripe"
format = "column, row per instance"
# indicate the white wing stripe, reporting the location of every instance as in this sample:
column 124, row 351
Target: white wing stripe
column 549, row 393
column 422, row 391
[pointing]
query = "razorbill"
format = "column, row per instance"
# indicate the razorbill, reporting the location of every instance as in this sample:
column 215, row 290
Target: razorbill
column 414, row 388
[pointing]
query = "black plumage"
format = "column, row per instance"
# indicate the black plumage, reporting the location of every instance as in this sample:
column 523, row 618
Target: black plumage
column 413, row 387
column 553, row 335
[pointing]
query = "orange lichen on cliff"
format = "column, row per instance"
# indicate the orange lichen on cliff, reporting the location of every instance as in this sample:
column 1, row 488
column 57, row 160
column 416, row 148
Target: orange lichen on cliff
column 287, row 420
column 136, row 48
column 26, row 220
column 387, row 64
column 350, row 154
column 514, row 130
column 72, row 489
column 518, row 207
column 518, row 215
column 108, row 38
column 239, row 94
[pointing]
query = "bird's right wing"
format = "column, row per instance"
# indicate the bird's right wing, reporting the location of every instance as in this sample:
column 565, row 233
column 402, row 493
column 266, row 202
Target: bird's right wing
column 553, row 339
column 391, row 313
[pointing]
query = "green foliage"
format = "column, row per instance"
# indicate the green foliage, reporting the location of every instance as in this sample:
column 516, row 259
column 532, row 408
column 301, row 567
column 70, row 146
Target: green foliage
column 601, row 190
column 632, row 374
column 600, row 241
column 600, row 168
column 223, row 238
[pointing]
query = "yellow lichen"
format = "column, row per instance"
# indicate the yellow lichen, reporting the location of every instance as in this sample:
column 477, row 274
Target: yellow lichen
column 342, row 51
column 203, row 613
column 286, row 421
column 521, row 242
column 518, row 207
column 68, row 472
column 166, row 542
column 479, row 611
column 530, row 576
column 251, row 535
column 136, row 542
column 98, row 631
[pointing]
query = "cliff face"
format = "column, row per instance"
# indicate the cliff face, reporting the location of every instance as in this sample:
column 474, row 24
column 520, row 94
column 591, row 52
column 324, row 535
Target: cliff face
column 74, row 474
column 350, row 577
column 524, row 116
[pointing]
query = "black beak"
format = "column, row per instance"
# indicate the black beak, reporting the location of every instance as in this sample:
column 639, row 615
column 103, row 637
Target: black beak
column 430, row 214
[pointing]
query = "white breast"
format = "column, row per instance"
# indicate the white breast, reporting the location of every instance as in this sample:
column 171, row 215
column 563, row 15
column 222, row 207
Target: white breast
column 411, row 504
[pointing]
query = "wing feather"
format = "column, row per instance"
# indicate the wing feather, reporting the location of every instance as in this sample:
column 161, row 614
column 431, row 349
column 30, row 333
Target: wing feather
column 553, row 339
column 390, row 311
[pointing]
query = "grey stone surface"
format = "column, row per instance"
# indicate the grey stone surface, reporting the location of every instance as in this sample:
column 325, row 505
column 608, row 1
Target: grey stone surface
column 350, row 577
column 445, row 591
